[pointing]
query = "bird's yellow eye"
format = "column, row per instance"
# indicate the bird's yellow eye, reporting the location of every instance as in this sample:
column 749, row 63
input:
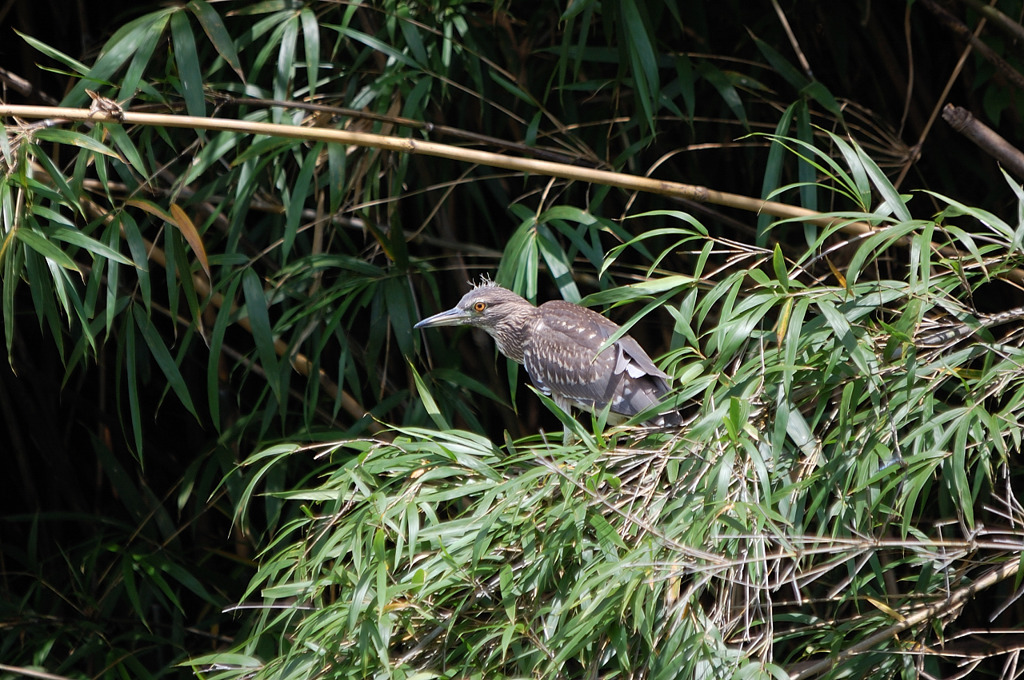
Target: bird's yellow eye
column 479, row 306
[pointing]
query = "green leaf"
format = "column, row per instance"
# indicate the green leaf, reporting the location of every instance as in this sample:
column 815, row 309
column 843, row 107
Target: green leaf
column 213, row 375
column 300, row 191
column 73, row 138
column 215, row 30
column 311, row 46
column 284, row 74
column 411, row 34
column 5, row 146
column 133, row 81
column 164, row 360
column 131, row 360
column 882, row 184
column 122, row 45
column 53, row 53
column 779, row 267
column 642, row 60
column 124, row 144
column 39, row 243
column 726, row 90
column 88, row 243
column 259, row 323
column 774, row 167
column 60, row 182
column 140, row 256
column 797, row 80
column 377, row 46
column 640, row 290
column 558, row 263
column 606, row 533
column 428, row 400
column 187, row 59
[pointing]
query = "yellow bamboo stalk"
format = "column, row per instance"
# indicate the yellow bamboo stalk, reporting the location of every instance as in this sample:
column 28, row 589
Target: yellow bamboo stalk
column 691, row 192
column 436, row 149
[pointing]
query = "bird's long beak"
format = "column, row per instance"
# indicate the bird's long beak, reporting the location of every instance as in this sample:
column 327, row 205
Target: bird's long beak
column 453, row 317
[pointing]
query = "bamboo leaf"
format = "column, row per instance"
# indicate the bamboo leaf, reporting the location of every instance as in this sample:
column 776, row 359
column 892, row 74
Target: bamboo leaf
column 88, row 243
column 140, row 255
column 60, row 182
column 72, row 138
column 558, row 263
column 113, row 278
column 9, row 278
column 773, row 168
column 133, row 77
column 214, row 374
column 259, row 321
column 642, row 60
column 311, row 46
column 299, row 194
column 122, row 45
column 215, row 30
column 797, row 80
column 726, row 90
column 39, row 243
column 423, row 393
column 187, row 59
column 377, row 45
column 286, row 59
column 180, row 219
column 53, row 53
column 164, row 360
column 127, row 148
column 5, row 146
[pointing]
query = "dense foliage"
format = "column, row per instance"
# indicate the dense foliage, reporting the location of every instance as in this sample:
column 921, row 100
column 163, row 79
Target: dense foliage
column 236, row 458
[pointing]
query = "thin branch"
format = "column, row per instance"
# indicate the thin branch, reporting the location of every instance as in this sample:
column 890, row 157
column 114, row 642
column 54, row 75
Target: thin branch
column 964, row 33
column 954, row 74
column 1004, row 23
column 801, row 57
column 31, row 673
column 919, row 616
column 961, row 120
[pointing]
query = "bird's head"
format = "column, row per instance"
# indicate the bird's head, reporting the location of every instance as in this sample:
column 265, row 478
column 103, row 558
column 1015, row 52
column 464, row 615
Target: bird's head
column 484, row 307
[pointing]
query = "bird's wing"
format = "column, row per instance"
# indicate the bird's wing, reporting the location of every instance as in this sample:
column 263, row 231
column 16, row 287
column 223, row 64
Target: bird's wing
column 562, row 360
column 631, row 356
column 628, row 347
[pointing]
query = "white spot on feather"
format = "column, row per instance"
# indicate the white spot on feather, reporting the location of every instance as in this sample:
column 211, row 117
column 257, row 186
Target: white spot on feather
column 634, row 370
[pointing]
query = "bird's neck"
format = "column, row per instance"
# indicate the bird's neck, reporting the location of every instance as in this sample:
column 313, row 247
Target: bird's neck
column 512, row 331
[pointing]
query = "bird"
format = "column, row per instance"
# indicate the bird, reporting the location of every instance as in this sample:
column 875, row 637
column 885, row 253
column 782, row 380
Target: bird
column 560, row 344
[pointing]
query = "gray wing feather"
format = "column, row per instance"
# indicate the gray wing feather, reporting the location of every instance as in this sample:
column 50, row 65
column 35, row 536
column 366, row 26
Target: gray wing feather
column 561, row 359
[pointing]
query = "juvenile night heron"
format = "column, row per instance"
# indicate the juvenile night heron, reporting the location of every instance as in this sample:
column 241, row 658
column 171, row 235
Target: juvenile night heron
column 558, row 343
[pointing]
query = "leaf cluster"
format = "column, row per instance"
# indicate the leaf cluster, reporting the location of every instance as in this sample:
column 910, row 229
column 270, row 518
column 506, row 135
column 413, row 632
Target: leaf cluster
column 826, row 491
column 231, row 314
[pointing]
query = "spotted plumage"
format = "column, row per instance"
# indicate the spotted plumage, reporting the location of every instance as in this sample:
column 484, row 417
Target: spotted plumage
column 558, row 343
